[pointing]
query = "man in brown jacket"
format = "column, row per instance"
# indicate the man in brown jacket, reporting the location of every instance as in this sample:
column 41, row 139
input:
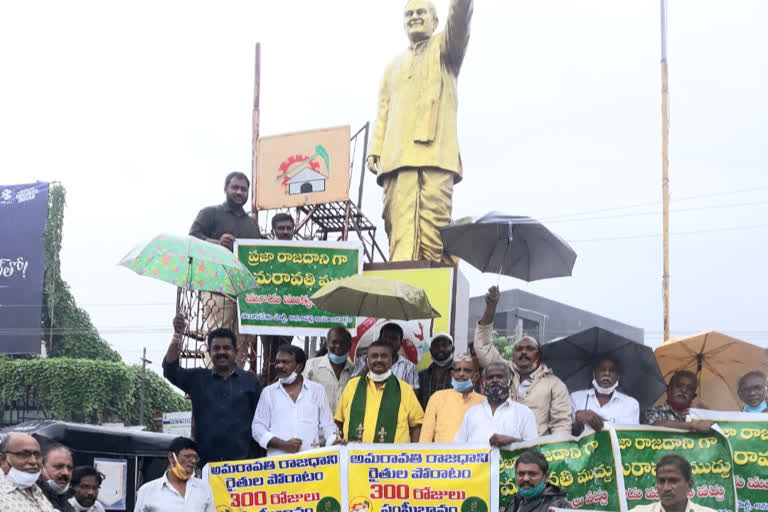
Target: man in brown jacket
column 533, row 383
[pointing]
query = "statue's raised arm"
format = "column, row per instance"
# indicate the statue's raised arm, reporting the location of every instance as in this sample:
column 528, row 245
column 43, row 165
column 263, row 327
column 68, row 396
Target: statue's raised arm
column 456, row 33
column 415, row 149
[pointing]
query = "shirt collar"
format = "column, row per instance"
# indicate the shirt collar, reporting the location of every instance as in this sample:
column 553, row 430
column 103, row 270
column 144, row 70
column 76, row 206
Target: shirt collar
column 234, row 373
column 239, row 211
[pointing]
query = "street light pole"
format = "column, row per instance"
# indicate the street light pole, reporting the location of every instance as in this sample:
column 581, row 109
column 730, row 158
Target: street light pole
column 665, row 166
column 144, row 362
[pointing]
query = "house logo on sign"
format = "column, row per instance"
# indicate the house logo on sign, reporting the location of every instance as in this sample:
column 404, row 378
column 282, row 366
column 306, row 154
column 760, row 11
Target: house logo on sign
column 301, row 174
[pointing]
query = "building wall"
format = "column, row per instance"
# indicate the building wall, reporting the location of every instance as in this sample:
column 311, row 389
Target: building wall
column 543, row 318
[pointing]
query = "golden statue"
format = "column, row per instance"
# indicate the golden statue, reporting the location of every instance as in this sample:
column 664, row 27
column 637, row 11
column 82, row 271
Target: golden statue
column 415, row 150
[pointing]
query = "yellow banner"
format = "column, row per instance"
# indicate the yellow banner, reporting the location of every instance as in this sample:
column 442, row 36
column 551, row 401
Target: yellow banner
column 419, row 480
column 293, row 483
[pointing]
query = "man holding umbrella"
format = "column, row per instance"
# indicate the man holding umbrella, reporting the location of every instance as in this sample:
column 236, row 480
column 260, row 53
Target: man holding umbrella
column 533, row 383
column 603, row 403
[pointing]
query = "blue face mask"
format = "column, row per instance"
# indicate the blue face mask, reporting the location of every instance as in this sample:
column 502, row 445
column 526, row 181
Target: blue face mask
column 529, row 494
column 337, row 359
column 461, row 386
column 760, row 408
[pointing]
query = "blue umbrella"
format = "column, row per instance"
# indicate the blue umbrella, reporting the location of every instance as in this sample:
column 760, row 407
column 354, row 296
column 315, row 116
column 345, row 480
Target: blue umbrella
column 511, row 245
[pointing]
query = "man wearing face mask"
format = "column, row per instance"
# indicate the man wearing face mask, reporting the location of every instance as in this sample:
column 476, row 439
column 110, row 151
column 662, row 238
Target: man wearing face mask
column 86, row 481
column 681, row 391
column 498, row 420
column 56, row 476
column 534, row 492
column 602, row 403
column 533, row 383
column 438, row 375
column 293, row 411
column 752, row 391
column 446, row 408
column 177, row 490
column 333, row 370
column 18, row 490
column 378, row 407
column 402, row 367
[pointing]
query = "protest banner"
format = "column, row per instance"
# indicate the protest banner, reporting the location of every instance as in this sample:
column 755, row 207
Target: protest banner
column 288, row 273
column 584, row 467
column 309, row 482
column 434, row 479
column 709, row 455
column 746, row 433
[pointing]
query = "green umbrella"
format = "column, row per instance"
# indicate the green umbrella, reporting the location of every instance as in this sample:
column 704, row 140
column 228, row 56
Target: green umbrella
column 190, row 263
column 376, row 297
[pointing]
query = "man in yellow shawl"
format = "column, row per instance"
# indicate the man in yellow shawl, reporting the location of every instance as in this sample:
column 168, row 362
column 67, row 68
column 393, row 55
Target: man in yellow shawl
column 415, row 150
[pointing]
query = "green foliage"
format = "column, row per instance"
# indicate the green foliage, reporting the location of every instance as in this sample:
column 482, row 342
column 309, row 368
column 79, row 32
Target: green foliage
column 74, row 335
column 88, row 391
column 505, row 348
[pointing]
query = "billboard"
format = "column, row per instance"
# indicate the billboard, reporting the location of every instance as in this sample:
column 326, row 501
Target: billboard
column 302, row 168
column 23, row 215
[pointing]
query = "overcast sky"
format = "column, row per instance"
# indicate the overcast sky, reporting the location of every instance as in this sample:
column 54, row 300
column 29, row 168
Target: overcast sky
column 140, row 109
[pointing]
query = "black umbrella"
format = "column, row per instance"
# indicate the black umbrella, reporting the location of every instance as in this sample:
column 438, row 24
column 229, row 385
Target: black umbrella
column 571, row 359
column 511, row 245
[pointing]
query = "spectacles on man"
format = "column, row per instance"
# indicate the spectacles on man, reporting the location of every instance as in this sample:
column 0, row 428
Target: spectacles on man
column 26, row 454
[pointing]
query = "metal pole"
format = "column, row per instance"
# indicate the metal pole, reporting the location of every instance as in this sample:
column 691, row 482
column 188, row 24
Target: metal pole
column 255, row 134
column 665, row 166
column 144, row 362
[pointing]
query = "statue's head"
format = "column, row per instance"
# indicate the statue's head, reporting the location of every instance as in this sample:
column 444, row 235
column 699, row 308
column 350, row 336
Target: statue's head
column 420, row 20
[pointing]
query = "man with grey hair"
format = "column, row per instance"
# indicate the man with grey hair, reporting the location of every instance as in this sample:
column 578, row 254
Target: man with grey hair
column 18, row 490
column 498, row 420
column 533, row 383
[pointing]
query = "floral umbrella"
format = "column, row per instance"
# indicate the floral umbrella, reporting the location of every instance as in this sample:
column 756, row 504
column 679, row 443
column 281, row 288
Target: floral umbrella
column 190, row 263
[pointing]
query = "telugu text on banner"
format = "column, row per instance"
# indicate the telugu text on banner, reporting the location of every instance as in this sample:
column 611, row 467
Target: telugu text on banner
column 288, row 273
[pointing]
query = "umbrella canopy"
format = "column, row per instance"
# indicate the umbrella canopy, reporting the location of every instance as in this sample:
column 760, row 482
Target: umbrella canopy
column 374, row 296
column 511, row 245
column 718, row 360
column 572, row 357
column 190, row 263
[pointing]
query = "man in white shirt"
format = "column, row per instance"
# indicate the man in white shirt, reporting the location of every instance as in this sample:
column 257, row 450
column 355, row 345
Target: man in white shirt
column 85, row 484
column 498, row 420
column 674, row 480
column 292, row 411
column 333, row 370
column 602, row 403
column 177, row 490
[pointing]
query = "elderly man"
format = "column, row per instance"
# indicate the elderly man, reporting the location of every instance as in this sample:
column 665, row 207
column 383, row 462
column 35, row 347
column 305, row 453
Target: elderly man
column 437, row 376
column 177, row 490
column 378, row 407
column 18, row 490
column 681, row 391
column 415, row 149
column 293, row 411
column 752, row 392
column 446, row 408
column 533, row 383
column 402, row 368
column 498, row 420
column 86, row 482
column 603, row 403
column 674, row 480
column 56, row 476
column 534, row 492
column 333, row 370
column 282, row 227
column 222, row 224
column 223, row 398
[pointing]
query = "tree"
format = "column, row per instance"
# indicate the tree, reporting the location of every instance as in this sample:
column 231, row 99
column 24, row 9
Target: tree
column 502, row 344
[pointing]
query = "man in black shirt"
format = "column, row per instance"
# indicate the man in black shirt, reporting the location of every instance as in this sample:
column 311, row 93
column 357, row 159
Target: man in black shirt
column 222, row 224
column 224, row 398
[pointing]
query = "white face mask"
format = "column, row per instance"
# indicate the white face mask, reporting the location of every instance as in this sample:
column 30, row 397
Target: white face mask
column 445, row 362
column 605, row 391
column 380, row 377
column 289, row 379
column 77, row 506
column 57, row 489
column 22, row 479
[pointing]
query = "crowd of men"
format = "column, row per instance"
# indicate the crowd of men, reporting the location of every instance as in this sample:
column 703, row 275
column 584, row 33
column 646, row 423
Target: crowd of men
column 378, row 396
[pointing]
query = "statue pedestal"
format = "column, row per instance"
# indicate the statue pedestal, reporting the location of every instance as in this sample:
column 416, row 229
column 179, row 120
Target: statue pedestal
column 448, row 292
